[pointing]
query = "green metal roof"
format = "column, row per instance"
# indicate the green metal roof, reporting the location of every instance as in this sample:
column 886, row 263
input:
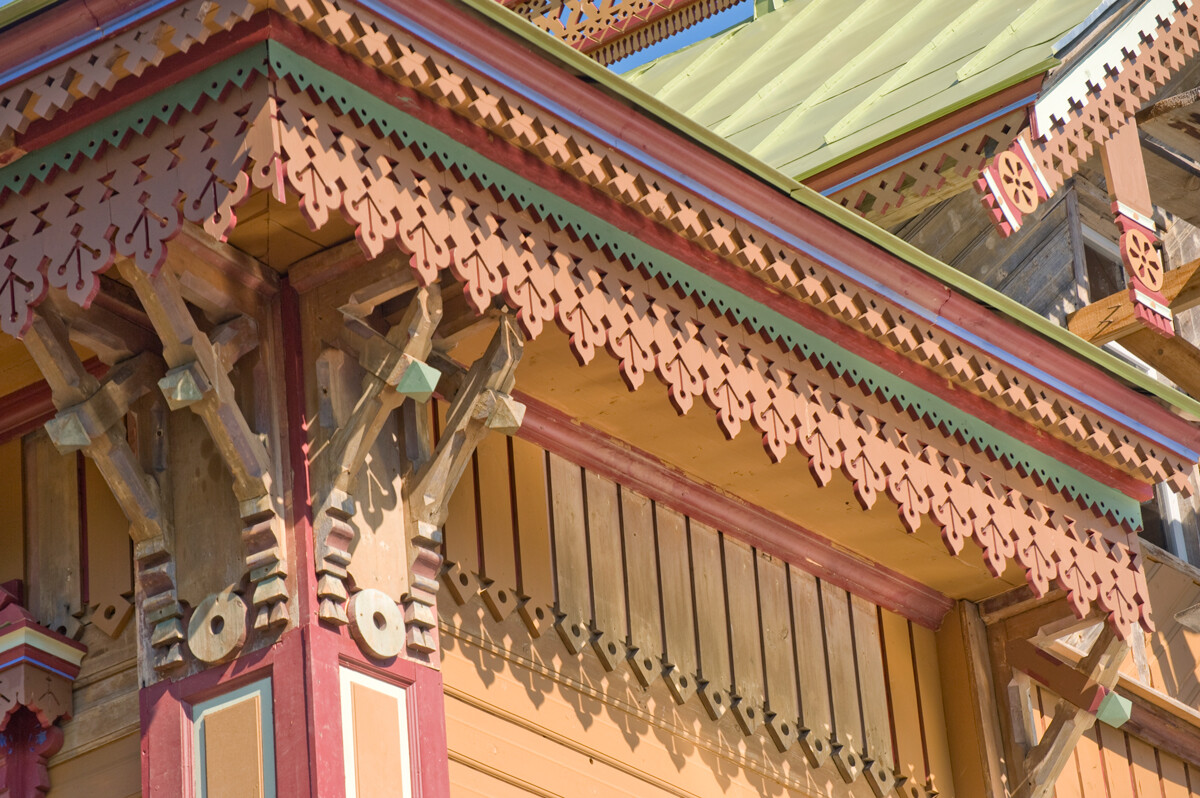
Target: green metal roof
column 813, row 82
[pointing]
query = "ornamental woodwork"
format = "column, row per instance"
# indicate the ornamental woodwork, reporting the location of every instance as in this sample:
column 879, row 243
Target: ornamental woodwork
column 510, row 253
column 398, row 56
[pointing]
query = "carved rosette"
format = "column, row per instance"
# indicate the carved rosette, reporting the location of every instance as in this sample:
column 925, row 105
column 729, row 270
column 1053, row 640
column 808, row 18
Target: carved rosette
column 37, row 670
column 1144, row 269
column 1012, row 186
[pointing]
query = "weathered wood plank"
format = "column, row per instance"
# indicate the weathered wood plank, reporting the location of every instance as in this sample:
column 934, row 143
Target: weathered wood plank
column 843, row 687
column 52, row 528
column 933, row 712
column 1172, row 776
column 712, row 624
column 1146, row 782
column 499, row 562
column 678, row 620
column 902, row 682
column 812, row 679
column 608, row 572
column 1117, row 767
column 570, row 552
column 533, row 533
column 641, row 560
column 779, row 660
column 745, row 633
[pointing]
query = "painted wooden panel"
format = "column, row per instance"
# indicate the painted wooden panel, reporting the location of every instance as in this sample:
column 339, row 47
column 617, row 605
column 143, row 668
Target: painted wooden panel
column 234, row 743
column 12, row 505
column 374, row 731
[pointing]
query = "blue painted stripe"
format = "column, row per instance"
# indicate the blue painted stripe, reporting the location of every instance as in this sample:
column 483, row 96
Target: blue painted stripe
column 38, row 664
column 929, row 146
column 78, row 43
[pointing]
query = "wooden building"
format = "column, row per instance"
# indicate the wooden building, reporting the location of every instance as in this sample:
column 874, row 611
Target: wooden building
column 396, row 401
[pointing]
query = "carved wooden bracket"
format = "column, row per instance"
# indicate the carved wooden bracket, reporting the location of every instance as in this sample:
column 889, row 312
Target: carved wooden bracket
column 481, row 404
column 37, row 669
column 198, row 378
column 90, row 420
column 396, row 362
column 1096, row 674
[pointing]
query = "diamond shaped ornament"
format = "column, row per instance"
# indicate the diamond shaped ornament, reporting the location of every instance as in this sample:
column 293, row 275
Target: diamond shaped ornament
column 418, row 381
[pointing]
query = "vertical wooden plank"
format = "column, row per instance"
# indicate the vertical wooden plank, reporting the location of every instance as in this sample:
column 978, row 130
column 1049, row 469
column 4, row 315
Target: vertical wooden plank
column 745, row 632
column 679, row 635
column 811, row 677
column 839, row 652
column 495, row 511
column 109, row 554
column 779, row 661
column 1068, row 785
column 496, row 521
column 12, row 505
column 1091, row 774
column 461, row 531
column 1117, row 769
column 533, row 534
column 933, row 711
column 570, row 552
column 641, row 574
column 1173, row 776
column 873, row 697
column 52, row 524
column 608, row 572
column 902, row 682
column 1145, row 770
column 712, row 625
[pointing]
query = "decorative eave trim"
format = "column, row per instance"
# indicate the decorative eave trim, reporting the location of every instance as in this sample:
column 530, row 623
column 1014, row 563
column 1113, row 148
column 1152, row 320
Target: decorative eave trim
column 685, row 215
column 609, row 31
column 1098, row 94
column 272, row 136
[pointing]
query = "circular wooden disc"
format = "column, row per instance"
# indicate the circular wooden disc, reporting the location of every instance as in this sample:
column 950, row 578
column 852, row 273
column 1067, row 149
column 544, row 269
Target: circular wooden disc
column 377, row 623
column 217, row 630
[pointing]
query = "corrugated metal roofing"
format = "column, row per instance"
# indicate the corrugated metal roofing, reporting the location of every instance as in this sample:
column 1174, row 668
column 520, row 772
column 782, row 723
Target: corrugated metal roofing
column 814, row 82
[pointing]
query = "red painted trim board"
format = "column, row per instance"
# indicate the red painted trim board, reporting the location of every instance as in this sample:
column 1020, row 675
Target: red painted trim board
column 646, row 474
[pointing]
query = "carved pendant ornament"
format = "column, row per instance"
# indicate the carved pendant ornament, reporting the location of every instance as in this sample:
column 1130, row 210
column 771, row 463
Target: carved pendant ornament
column 266, row 135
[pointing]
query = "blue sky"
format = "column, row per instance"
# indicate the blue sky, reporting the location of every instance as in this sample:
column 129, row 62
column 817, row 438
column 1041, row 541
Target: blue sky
column 714, row 24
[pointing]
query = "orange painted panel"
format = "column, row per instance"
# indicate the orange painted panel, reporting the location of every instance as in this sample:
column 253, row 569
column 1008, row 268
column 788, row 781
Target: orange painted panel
column 232, row 739
column 12, row 505
column 376, row 741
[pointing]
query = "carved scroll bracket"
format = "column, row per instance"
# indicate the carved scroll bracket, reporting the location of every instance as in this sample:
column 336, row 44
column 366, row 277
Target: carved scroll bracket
column 89, row 420
column 37, row 669
column 198, row 378
column 482, row 403
column 395, row 371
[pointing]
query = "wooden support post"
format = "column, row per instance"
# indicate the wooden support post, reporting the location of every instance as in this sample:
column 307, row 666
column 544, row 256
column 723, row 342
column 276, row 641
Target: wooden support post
column 89, row 420
column 483, row 403
column 199, row 379
column 1045, row 762
column 395, row 371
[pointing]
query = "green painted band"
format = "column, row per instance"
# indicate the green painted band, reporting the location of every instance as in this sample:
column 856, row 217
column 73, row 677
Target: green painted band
column 788, row 333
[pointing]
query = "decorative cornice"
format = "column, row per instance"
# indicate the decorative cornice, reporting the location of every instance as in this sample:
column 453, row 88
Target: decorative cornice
column 609, row 30
column 686, row 215
column 399, row 180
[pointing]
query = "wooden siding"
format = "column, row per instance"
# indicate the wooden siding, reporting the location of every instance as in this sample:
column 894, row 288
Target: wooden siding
column 638, row 580
column 70, row 544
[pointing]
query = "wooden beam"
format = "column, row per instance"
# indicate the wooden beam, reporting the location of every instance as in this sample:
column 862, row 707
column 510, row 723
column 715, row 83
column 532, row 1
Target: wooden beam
column 1175, row 358
column 1046, row 761
column 1112, row 319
